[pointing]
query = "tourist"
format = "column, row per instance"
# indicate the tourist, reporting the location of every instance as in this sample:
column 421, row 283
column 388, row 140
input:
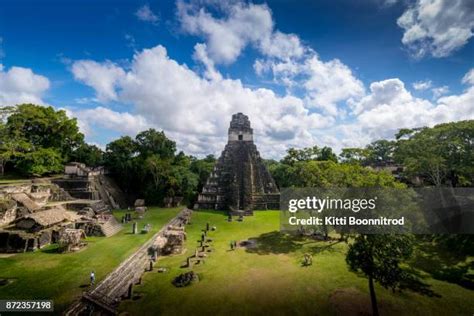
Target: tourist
column 92, row 277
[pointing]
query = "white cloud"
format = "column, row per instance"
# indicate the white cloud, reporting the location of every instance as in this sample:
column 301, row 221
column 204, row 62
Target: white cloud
column 329, row 83
column 144, row 13
column 103, row 77
column 437, row 27
column 382, row 93
column 390, row 107
column 123, row 122
column 439, row 91
column 194, row 109
column 284, row 56
column 469, row 77
column 422, row 85
column 282, row 46
column 241, row 25
column 174, row 98
column 86, row 100
column 130, row 39
column 201, row 55
column 21, row 85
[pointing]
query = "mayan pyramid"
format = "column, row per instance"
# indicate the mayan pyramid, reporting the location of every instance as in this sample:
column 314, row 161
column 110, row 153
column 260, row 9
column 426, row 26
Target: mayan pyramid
column 240, row 180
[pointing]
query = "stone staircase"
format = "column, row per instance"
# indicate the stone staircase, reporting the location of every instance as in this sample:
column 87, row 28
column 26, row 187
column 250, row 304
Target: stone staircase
column 112, row 192
column 111, row 227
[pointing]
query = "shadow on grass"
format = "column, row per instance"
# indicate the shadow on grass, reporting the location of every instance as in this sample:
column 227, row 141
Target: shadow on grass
column 51, row 249
column 276, row 243
column 413, row 281
column 444, row 265
column 323, row 246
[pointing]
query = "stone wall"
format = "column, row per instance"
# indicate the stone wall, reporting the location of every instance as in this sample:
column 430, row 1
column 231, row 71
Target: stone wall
column 8, row 211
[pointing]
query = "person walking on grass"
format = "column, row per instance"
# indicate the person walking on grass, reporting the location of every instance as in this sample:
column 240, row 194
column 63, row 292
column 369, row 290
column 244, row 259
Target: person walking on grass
column 92, row 277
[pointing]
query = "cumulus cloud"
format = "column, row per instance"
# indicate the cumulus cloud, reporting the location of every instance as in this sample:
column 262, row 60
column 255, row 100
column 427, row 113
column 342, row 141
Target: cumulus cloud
column 437, row 27
column 101, row 117
column 200, row 54
column 195, row 110
column 439, row 91
column 329, row 83
column 174, row 98
column 390, row 107
column 422, row 85
column 469, row 77
column 144, row 13
column 234, row 26
column 241, row 25
column 103, row 77
column 382, row 93
column 21, row 85
column 331, row 107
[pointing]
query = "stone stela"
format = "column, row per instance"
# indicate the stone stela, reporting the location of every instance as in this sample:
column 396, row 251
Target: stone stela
column 239, row 180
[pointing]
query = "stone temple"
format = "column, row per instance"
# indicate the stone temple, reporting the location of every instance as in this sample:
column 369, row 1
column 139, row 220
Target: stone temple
column 240, row 180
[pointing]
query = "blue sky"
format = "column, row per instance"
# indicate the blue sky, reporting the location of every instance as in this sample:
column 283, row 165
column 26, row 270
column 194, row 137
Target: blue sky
column 354, row 71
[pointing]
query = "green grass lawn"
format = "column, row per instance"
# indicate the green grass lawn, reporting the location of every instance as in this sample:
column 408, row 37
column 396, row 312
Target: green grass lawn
column 46, row 274
column 269, row 279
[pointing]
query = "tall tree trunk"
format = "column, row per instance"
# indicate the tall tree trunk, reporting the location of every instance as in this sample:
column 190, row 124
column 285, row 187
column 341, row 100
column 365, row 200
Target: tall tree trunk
column 373, row 299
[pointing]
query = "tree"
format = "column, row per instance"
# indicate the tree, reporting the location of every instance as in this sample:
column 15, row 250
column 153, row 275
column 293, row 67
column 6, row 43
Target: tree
column 380, row 152
column 119, row 159
column 158, row 168
column 324, row 174
column 183, row 182
column 309, row 153
column 11, row 146
column 152, row 142
column 379, row 258
column 327, row 154
column 150, row 162
column 444, row 153
column 91, row 155
column 27, row 131
column 45, row 127
column 40, row 162
column 203, row 168
column 354, row 155
column 294, row 155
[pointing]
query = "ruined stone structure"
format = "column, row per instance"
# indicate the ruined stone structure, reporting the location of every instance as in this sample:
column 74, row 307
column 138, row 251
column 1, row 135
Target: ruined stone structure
column 70, row 239
column 106, row 296
column 34, row 213
column 82, row 182
column 239, row 180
